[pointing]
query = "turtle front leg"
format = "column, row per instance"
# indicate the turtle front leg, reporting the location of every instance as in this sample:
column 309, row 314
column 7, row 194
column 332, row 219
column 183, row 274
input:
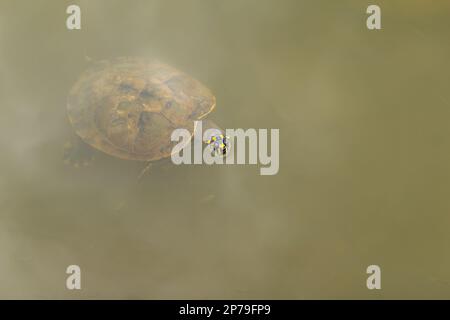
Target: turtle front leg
column 77, row 153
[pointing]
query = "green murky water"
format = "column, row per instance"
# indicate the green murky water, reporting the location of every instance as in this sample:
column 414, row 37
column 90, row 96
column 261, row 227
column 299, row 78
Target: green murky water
column 364, row 153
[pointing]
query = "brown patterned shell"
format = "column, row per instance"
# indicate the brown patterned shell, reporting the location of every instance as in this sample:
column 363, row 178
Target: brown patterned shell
column 129, row 107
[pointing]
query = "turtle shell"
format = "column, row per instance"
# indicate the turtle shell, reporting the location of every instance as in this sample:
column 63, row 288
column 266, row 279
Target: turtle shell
column 128, row 107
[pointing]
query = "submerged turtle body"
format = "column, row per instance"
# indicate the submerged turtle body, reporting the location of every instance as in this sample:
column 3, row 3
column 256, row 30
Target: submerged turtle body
column 128, row 107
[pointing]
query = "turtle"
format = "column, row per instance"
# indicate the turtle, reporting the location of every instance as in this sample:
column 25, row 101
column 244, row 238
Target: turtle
column 128, row 107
